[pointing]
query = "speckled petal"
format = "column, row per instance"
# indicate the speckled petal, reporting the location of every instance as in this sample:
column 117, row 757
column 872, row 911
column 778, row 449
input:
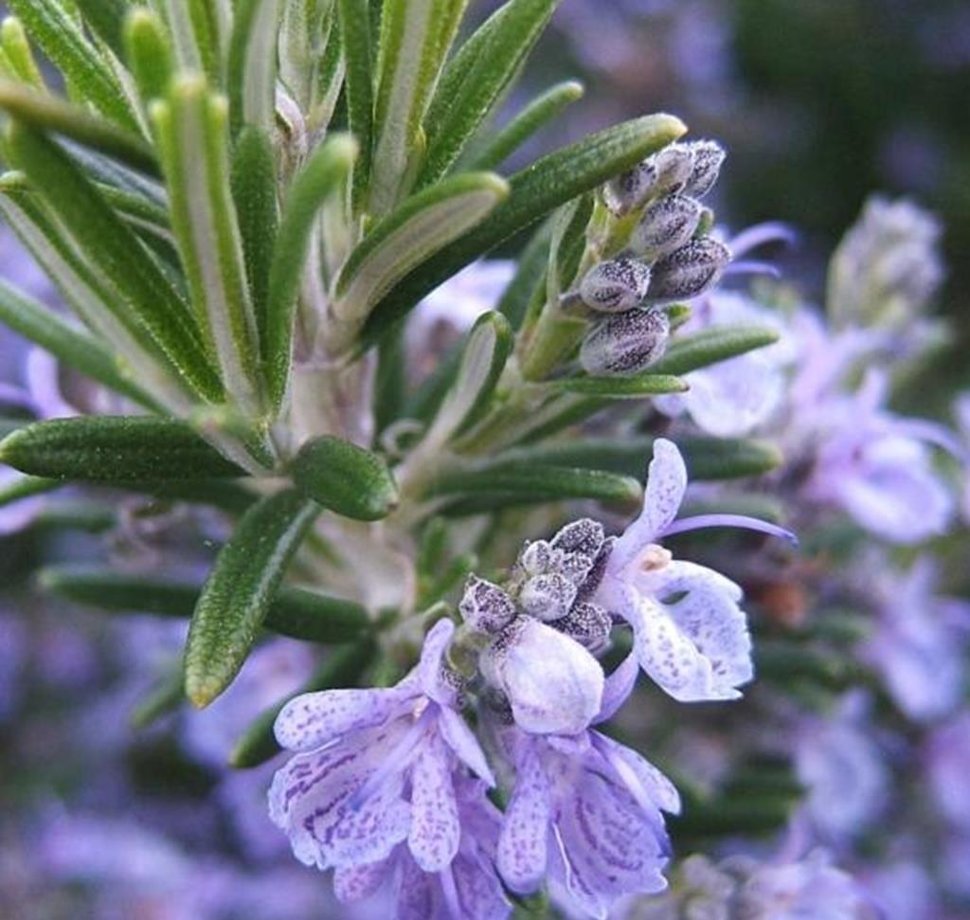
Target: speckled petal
column 418, row 894
column 666, row 484
column 610, row 846
column 523, row 842
column 480, row 893
column 643, row 780
column 435, row 828
column 312, row 799
column 461, row 739
column 311, row 720
column 698, row 647
column 355, row 883
column 432, row 661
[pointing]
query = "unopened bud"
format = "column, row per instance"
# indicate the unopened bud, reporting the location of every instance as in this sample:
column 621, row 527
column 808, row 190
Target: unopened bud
column 666, row 171
column 708, row 157
column 689, row 271
column 666, row 225
column 626, row 343
column 547, row 597
column 588, row 624
column 486, row 607
column 615, row 286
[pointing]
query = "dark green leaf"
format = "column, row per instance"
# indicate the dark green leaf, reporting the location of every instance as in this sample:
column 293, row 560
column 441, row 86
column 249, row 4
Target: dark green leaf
column 106, row 18
column 64, row 42
column 345, row 478
column 539, row 483
column 241, row 586
column 709, row 346
column 114, row 449
column 48, row 113
column 151, row 309
column 294, row 612
column 359, row 87
column 476, row 77
column 537, row 113
column 622, row 387
column 322, row 175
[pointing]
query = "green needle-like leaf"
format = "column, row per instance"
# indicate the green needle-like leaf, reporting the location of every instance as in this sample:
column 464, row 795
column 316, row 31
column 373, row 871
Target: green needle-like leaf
column 548, row 183
column 622, row 387
column 63, row 41
column 114, row 449
column 106, row 19
column 706, row 458
column 476, row 78
column 149, row 53
column 534, row 483
column 323, row 174
column 68, row 344
column 482, row 362
column 191, row 127
column 534, row 116
column 48, row 113
column 254, row 193
column 413, row 233
column 238, row 593
column 252, row 64
column 343, row 668
column 17, row 53
column 709, row 346
column 345, row 478
column 293, row 612
column 354, row 22
column 151, row 309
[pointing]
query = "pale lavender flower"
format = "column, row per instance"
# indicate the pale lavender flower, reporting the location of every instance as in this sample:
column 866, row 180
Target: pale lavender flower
column 376, row 768
column 874, row 465
column 902, row 890
column 545, row 630
column 689, row 632
column 811, row 887
column 466, row 889
column 731, row 398
column 948, row 771
column 918, row 641
column 887, row 267
column 585, row 813
column 843, row 770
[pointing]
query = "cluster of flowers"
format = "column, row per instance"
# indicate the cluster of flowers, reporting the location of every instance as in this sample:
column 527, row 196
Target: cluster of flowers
column 668, row 258
column 394, row 783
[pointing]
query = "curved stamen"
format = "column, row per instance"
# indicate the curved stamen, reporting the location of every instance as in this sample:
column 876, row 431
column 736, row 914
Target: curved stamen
column 761, row 235
column 729, row 520
column 752, row 267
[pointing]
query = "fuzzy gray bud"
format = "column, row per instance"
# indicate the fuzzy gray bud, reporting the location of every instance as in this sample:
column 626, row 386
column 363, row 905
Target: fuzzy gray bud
column 615, row 286
column 486, row 607
column 707, row 159
column 666, row 225
column 665, row 172
column 689, row 271
column 584, row 537
column 626, row 343
column 547, row 597
column 588, row 624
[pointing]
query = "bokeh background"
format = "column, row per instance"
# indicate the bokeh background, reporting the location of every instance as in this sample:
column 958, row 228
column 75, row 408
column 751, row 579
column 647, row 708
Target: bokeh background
column 819, row 102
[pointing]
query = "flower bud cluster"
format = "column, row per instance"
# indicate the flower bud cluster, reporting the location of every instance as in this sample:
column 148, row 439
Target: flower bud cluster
column 546, row 610
column 668, row 258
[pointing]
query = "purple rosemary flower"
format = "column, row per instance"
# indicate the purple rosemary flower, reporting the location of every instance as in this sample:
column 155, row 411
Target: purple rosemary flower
column 731, row 398
column 689, row 633
column 376, row 768
column 585, row 813
column 876, row 466
column 468, row 888
column 919, row 639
